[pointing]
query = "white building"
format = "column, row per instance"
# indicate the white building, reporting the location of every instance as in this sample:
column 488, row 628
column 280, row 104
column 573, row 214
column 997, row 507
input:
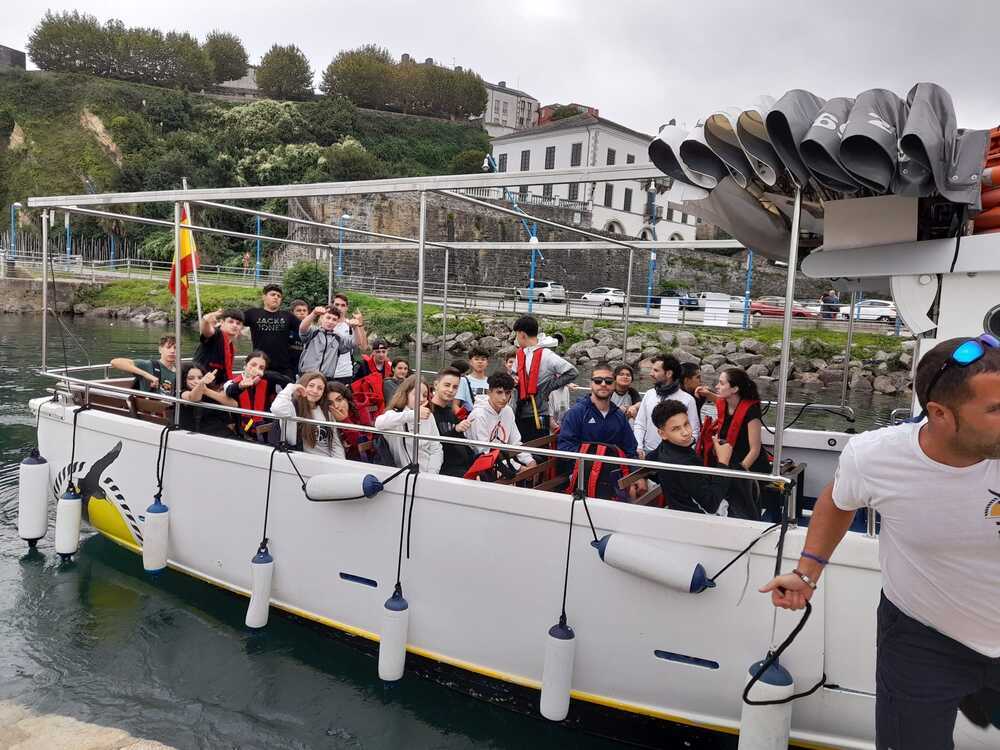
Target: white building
column 508, row 110
column 588, row 140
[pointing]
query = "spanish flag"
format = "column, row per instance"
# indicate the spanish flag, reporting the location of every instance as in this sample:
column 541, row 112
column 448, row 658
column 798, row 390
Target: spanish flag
column 188, row 252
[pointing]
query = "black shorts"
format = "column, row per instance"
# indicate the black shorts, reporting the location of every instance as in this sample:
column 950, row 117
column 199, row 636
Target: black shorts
column 921, row 678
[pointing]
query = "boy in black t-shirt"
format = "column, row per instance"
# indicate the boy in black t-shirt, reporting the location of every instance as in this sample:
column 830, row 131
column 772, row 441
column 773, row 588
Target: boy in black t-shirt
column 270, row 329
column 457, row 458
column 219, row 331
column 300, row 309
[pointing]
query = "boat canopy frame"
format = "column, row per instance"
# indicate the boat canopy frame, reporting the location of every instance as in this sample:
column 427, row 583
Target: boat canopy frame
column 444, row 185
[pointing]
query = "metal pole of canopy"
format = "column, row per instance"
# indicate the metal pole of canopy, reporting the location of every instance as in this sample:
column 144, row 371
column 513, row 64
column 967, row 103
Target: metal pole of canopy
column 628, row 299
column 45, row 287
column 747, row 289
column 420, row 326
column 177, row 308
column 850, row 343
column 786, row 333
column 444, row 310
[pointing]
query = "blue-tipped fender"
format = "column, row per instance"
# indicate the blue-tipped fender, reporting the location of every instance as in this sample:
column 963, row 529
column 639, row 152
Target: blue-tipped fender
column 645, row 559
column 261, row 575
column 392, row 637
column 69, row 511
column 767, row 727
column 155, row 536
column 346, row 485
column 33, row 498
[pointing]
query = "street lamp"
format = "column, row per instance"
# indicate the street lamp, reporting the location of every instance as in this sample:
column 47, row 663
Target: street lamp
column 14, row 208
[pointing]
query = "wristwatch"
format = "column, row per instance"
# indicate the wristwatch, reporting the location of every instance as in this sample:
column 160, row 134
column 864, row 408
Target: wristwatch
column 805, row 579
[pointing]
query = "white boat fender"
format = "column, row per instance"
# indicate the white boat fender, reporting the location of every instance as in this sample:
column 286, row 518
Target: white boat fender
column 646, row 560
column 557, row 671
column 342, row 486
column 32, row 498
column 155, row 536
column 261, row 575
column 392, row 638
column 69, row 510
column 767, row 727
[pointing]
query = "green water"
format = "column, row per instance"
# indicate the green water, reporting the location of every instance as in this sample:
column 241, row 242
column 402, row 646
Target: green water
column 170, row 659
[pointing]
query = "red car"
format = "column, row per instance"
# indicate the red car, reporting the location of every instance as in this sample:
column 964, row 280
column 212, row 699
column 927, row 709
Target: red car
column 775, row 307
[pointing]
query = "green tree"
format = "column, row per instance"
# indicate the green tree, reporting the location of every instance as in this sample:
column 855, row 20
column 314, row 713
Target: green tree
column 228, row 56
column 70, row 42
column 189, row 66
column 363, row 75
column 329, row 118
column 563, row 111
column 306, row 280
column 282, row 165
column 469, row 95
column 469, row 161
column 349, row 160
column 284, row 73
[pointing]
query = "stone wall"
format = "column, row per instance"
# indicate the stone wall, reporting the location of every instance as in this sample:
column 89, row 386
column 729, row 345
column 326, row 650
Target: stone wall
column 20, row 295
column 579, row 270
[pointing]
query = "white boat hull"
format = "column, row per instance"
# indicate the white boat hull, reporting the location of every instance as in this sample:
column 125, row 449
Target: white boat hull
column 485, row 573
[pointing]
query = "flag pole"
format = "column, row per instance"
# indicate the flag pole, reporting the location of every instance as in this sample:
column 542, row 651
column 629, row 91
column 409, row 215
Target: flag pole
column 194, row 259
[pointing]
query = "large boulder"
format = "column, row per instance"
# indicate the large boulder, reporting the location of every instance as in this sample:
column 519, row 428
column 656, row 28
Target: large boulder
column 884, row 384
column 157, row 318
column 683, row 356
column 730, row 347
column 666, row 338
column 745, row 359
column 861, row 384
column 632, row 359
column 715, row 360
column 754, row 346
column 490, row 344
column 818, row 364
column 684, row 338
column 615, row 354
column 707, row 370
column 810, row 378
column 757, row 371
column 597, row 352
column 881, row 356
column 650, row 352
column 634, row 344
column 465, row 338
column 830, row 375
column 81, row 308
column 579, row 348
column 906, row 358
column 497, row 328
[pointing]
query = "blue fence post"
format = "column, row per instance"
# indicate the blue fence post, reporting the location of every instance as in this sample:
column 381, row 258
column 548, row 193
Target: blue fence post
column 651, row 203
column 747, row 288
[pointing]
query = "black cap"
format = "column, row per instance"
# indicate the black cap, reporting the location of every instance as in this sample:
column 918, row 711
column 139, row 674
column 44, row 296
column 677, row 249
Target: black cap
column 380, row 344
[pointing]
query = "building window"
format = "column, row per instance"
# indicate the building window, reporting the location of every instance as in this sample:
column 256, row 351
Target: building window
column 576, row 154
column 550, row 157
column 574, row 191
column 630, row 158
column 525, row 160
column 627, row 206
column 684, row 218
column 670, row 214
column 547, row 190
column 502, row 163
column 496, row 107
column 505, row 109
column 611, row 157
column 609, row 194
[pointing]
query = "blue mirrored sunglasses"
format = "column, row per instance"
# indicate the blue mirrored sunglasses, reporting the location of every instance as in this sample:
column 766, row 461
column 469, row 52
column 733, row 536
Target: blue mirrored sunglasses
column 964, row 355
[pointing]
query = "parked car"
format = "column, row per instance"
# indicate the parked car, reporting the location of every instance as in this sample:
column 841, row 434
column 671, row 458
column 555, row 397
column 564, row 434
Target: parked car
column 605, row 296
column 687, row 301
column 815, row 305
column 736, row 303
column 545, row 291
column 881, row 310
column 775, row 307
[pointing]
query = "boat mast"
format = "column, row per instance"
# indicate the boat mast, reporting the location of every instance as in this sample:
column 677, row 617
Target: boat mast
column 177, row 311
column 420, row 327
column 45, row 288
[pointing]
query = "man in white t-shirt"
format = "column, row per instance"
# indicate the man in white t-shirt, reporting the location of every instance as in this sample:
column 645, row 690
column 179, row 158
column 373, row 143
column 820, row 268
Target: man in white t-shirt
column 345, row 364
column 936, row 487
column 666, row 374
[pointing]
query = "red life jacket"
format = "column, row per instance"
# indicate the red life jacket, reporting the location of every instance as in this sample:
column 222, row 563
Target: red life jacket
column 259, row 403
column 384, row 373
column 226, row 365
column 596, row 469
column 489, row 467
column 368, row 394
column 710, row 428
column 527, row 383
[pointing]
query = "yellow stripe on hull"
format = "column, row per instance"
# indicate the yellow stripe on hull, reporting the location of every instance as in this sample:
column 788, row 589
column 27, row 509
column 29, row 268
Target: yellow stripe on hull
column 599, row 700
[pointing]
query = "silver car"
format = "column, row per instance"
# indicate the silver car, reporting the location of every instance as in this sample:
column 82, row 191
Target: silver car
column 545, row 291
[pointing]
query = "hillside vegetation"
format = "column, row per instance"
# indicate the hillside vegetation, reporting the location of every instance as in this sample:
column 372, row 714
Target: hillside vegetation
column 65, row 133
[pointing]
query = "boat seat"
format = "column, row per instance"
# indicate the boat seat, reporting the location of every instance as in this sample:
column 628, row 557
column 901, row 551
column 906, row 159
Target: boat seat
column 151, row 410
column 529, row 476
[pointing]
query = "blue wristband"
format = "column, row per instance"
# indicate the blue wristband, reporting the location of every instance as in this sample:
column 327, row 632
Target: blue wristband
column 815, row 558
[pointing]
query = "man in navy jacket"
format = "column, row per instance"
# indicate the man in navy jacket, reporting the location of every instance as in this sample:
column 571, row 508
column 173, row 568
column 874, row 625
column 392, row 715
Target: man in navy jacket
column 595, row 420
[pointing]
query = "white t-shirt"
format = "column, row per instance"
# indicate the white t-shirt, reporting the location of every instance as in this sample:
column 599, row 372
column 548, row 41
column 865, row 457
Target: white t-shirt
column 345, row 363
column 469, row 387
column 939, row 545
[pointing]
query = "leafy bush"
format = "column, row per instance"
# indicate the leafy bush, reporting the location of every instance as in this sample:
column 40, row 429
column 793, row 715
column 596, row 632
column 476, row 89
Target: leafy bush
column 469, row 161
column 262, row 124
column 282, row 165
column 284, row 73
column 306, row 280
column 349, row 160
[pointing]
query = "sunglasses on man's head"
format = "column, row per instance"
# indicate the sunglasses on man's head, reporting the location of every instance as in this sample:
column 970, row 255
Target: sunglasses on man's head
column 964, row 355
column 606, row 381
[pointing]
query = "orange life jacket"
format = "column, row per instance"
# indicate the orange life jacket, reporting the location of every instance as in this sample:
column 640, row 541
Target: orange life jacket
column 710, row 428
column 259, row 403
column 596, row 470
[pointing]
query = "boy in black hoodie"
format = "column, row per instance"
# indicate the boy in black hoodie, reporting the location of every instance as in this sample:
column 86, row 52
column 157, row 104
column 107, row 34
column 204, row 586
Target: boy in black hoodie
column 696, row 493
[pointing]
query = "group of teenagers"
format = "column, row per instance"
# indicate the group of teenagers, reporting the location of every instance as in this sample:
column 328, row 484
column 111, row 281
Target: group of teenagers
column 318, row 364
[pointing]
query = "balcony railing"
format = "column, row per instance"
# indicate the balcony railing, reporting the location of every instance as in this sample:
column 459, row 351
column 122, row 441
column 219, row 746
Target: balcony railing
column 526, row 199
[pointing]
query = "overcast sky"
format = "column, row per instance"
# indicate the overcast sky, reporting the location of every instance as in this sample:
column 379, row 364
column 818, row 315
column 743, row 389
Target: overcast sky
column 639, row 62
